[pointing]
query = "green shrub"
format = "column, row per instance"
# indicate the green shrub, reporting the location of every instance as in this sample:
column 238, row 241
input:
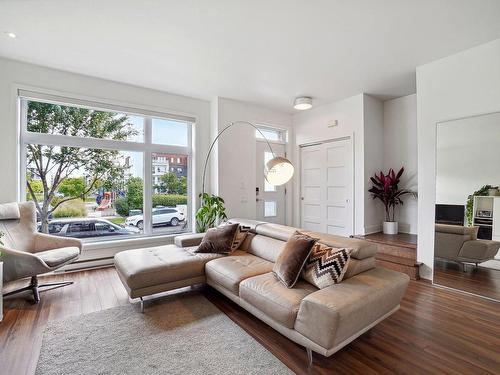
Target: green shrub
column 169, row 200
column 121, row 206
column 73, row 208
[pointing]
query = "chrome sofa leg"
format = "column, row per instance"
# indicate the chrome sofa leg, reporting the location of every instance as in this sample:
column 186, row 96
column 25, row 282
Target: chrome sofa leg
column 309, row 357
column 142, row 305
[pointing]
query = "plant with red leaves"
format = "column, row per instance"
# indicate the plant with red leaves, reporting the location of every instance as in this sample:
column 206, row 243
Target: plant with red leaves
column 385, row 187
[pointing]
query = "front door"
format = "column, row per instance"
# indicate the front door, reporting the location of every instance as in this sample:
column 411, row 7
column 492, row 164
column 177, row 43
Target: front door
column 270, row 200
column 327, row 187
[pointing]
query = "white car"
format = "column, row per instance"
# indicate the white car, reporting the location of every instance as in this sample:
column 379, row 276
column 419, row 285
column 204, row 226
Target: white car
column 161, row 216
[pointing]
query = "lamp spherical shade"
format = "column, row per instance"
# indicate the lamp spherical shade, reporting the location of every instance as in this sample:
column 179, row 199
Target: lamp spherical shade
column 279, row 171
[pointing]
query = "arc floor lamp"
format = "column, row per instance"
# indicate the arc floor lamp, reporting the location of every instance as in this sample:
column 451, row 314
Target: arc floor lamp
column 278, row 171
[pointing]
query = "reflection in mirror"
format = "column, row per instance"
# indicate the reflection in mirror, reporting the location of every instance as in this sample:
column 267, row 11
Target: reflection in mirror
column 467, row 231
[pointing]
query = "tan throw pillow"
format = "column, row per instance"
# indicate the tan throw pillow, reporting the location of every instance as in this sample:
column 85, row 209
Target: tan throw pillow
column 326, row 265
column 292, row 259
column 218, row 240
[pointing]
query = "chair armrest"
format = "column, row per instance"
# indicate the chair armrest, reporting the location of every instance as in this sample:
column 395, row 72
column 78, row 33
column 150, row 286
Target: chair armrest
column 478, row 250
column 45, row 242
column 19, row 264
column 188, row 240
column 333, row 314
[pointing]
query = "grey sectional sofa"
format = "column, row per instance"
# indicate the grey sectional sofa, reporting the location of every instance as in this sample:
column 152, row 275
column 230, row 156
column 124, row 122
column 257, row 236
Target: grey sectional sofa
column 321, row 320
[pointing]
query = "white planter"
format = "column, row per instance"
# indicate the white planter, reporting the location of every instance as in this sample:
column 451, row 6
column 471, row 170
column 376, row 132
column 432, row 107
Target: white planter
column 390, row 227
column 1, row 294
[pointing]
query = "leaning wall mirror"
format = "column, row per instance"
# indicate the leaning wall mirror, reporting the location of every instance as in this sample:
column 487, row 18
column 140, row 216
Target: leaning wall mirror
column 467, row 229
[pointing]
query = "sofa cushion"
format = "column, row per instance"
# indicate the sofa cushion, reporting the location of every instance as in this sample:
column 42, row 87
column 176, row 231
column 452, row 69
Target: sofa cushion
column 270, row 296
column 231, row 270
column 356, row 266
column 56, row 257
column 263, row 247
column 276, row 231
column 141, row 268
column 219, row 240
column 361, row 249
column 292, row 259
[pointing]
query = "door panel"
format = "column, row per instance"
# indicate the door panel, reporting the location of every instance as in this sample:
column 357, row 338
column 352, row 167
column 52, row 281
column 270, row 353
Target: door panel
column 270, row 199
column 313, row 187
column 326, row 187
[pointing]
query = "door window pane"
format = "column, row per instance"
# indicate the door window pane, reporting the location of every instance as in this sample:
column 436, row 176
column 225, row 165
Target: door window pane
column 169, row 132
column 170, row 190
column 270, row 208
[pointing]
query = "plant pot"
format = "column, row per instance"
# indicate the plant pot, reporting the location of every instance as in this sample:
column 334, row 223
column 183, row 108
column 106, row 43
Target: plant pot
column 493, row 192
column 390, row 227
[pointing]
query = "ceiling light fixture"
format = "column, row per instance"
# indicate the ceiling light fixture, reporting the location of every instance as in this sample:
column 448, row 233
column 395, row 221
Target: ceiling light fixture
column 302, row 103
column 10, row 34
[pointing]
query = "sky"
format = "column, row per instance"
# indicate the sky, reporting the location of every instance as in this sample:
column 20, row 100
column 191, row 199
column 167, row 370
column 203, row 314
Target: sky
column 164, row 132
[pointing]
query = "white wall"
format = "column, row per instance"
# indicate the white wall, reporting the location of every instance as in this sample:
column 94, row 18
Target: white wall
column 400, row 149
column 475, row 142
column 465, row 84
column 13, row 73
column 312, row 126
column 360, row 117
column 236, row 150
column 373, row 117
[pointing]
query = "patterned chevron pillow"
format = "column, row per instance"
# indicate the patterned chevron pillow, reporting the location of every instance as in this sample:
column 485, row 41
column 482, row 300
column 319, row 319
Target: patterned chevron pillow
column 326, row 265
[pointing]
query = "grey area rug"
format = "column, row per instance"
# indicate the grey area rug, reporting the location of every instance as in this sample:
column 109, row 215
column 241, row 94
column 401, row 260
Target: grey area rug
column 181, row 334
column 492, row 264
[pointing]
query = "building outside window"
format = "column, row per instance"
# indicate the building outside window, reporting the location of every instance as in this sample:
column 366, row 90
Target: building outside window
column 96, row 172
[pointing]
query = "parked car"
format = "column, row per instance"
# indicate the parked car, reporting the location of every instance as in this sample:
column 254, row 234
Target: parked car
column 87, row 228
column 161, row 216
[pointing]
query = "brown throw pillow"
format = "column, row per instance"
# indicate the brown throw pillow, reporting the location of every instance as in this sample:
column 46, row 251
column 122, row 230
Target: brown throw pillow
column 240, row 235
column 218, row 240
column 292, row 259
column 326, row 265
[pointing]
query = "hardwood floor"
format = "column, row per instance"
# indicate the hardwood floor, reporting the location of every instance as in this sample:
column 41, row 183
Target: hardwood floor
column 477, row 280
column 436, row 331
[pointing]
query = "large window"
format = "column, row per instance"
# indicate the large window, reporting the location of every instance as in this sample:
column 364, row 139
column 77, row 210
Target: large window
column 99, row 172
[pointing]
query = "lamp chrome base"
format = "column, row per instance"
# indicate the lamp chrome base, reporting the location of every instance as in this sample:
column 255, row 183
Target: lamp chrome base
column 34, row 287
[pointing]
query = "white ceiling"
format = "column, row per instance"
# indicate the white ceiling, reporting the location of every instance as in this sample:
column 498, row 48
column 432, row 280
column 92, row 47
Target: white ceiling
column 262, row 51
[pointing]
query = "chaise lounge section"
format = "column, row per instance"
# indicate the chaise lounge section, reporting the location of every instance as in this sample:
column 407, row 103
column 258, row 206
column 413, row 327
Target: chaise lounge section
column 321, row 320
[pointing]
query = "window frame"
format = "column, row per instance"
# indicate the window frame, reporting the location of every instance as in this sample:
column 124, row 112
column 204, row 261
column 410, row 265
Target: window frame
column 146, row 147
column 282, row 132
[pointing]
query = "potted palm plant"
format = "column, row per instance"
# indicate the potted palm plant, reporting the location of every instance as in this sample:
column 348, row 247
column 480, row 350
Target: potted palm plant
column 386, row 188
column 210, row 213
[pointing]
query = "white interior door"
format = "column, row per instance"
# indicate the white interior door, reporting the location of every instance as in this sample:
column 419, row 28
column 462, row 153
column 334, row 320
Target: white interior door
column 270, row 200
column 327, row 187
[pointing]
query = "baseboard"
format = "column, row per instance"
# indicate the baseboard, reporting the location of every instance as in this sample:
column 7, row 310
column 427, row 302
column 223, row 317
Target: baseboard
column 403, row 228
column 373, row 229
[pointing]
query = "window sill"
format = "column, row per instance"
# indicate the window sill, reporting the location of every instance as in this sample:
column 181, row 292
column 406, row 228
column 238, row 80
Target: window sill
column 99, row 254
column 135, row 242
